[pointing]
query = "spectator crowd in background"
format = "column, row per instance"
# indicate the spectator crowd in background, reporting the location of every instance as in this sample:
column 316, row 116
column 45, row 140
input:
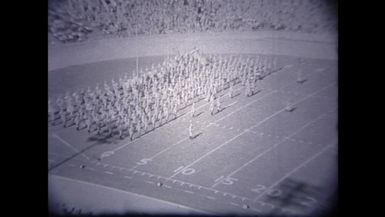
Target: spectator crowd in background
column 75, row 20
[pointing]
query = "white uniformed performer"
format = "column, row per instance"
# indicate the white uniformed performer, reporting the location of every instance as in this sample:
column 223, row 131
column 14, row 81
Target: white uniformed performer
column 193, row 110
column 218, row 104
column 231, row 90
column 247, row 89
column 212, row 107
column 190, row 130
column 289, row 107
column 300, row 78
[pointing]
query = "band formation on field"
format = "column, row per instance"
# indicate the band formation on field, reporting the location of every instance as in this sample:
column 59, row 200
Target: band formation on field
column 130, row 107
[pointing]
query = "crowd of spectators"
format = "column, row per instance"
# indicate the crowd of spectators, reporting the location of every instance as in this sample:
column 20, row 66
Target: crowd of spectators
column 74, row 20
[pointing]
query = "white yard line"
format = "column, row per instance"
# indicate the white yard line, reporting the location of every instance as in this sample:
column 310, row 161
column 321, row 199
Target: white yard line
column 294, row 170
column 70, row 146
column 286, row 138
column 182, row 140
column 120, row 147
column 246, row 130
column 205, row 104
column 109, row 153
column 242, row 107
column 172, row 180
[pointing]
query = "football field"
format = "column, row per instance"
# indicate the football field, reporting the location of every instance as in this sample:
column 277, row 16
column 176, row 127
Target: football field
column 253, row 157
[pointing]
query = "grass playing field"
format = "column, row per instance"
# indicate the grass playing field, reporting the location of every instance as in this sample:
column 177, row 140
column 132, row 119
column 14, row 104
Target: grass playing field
column 253, row 157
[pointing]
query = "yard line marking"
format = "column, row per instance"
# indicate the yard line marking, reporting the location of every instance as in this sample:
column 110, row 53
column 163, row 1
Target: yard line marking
column 206, row 154
column 205, row 104
column 232, row 104
column 179, row 181
column 69, row 145
column 246, row 130
column 155, row 155
column 108, row 172
column 295, row 169
column 215, row 122
column 244, row 106
column 190, row 192
column 120, row 147
column 277, row 144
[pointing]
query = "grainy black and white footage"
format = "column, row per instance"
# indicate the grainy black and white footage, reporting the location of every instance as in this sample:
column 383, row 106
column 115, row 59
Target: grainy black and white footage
column 192, row 107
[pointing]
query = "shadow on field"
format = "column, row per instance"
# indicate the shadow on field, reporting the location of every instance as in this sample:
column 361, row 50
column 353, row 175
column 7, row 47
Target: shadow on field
column 102, row 139
column 301, row 196
column 197, row 115
column 72, row 156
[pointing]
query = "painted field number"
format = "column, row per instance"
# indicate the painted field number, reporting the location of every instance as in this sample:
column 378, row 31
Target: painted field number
column 185, row 170
column 226, row 180
column 309, row 201
column 107, row 154
column 144, row 161
column 271, row 192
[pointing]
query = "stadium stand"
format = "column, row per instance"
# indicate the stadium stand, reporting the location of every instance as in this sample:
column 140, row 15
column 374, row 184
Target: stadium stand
column 71, row 21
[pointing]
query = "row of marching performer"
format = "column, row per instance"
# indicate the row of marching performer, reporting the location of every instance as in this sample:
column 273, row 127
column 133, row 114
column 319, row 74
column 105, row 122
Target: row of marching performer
column 133, row 107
